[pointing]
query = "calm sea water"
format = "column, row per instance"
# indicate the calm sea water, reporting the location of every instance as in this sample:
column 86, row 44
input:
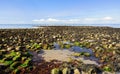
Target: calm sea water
column 7, row 26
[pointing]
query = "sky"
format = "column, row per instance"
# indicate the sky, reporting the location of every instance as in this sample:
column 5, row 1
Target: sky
column 59, row 11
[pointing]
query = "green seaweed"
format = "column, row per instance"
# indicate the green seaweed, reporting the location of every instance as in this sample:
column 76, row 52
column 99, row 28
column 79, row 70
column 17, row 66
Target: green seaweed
column 66, row 71
column 76, row 43
column 107, row 68
column 12, row 54
column 16, row 71
column 14, row 65
column 67, row 46
column 36, row 46
column 7, row 63
column 76, row 54
column 26, row 63
column 16, row 58
column 87, row 54
column 55, row 71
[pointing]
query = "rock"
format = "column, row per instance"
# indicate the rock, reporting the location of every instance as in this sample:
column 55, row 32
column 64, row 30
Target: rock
column 55, row 71
column 118, row 44
column 66, row 71
column 10, row 48
column 77, row 71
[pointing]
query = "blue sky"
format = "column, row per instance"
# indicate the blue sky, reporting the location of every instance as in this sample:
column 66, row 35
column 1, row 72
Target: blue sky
column 60, row 11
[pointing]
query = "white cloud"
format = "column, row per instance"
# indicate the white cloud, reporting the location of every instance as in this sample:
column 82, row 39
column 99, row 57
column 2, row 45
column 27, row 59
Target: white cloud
column 46, row 20
column 76, row 20
column 107, row 18
column 41, row 20
column 52, row 20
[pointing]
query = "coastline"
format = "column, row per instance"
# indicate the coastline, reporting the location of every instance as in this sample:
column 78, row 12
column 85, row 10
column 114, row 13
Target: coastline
column 35, row 27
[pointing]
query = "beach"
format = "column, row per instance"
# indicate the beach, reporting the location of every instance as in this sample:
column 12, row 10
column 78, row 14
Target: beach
column 43, row 49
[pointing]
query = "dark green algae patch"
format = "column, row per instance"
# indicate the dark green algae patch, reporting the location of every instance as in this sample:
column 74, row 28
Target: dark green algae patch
column 16, row 45
column 15, row 61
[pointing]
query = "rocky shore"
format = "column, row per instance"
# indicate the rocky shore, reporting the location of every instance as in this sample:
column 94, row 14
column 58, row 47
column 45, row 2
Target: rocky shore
column 21, row 50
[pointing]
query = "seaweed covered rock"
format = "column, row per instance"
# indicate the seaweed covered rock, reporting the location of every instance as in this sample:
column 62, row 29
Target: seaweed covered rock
column 66, row 71
column 55, row 71
column 14, row 59
column 15, row 65
column 77, row 71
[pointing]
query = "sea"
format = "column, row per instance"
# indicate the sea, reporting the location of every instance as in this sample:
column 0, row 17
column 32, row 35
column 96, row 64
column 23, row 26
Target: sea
column 20, row 26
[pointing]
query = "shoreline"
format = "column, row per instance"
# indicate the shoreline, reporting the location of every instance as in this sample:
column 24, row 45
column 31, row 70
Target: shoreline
column 37, row 27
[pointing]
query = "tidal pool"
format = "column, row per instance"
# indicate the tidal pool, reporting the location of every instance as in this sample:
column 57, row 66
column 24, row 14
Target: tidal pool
column 77, row 49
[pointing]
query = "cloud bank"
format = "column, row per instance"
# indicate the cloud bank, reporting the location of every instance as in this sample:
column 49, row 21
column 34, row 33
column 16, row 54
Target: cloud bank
column 103, row 20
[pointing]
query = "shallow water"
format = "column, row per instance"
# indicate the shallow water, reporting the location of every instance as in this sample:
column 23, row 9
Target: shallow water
column 74, row 48
column 80, row 49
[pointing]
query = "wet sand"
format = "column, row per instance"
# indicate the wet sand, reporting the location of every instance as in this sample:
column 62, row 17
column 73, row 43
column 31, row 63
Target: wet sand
column 63, row 55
